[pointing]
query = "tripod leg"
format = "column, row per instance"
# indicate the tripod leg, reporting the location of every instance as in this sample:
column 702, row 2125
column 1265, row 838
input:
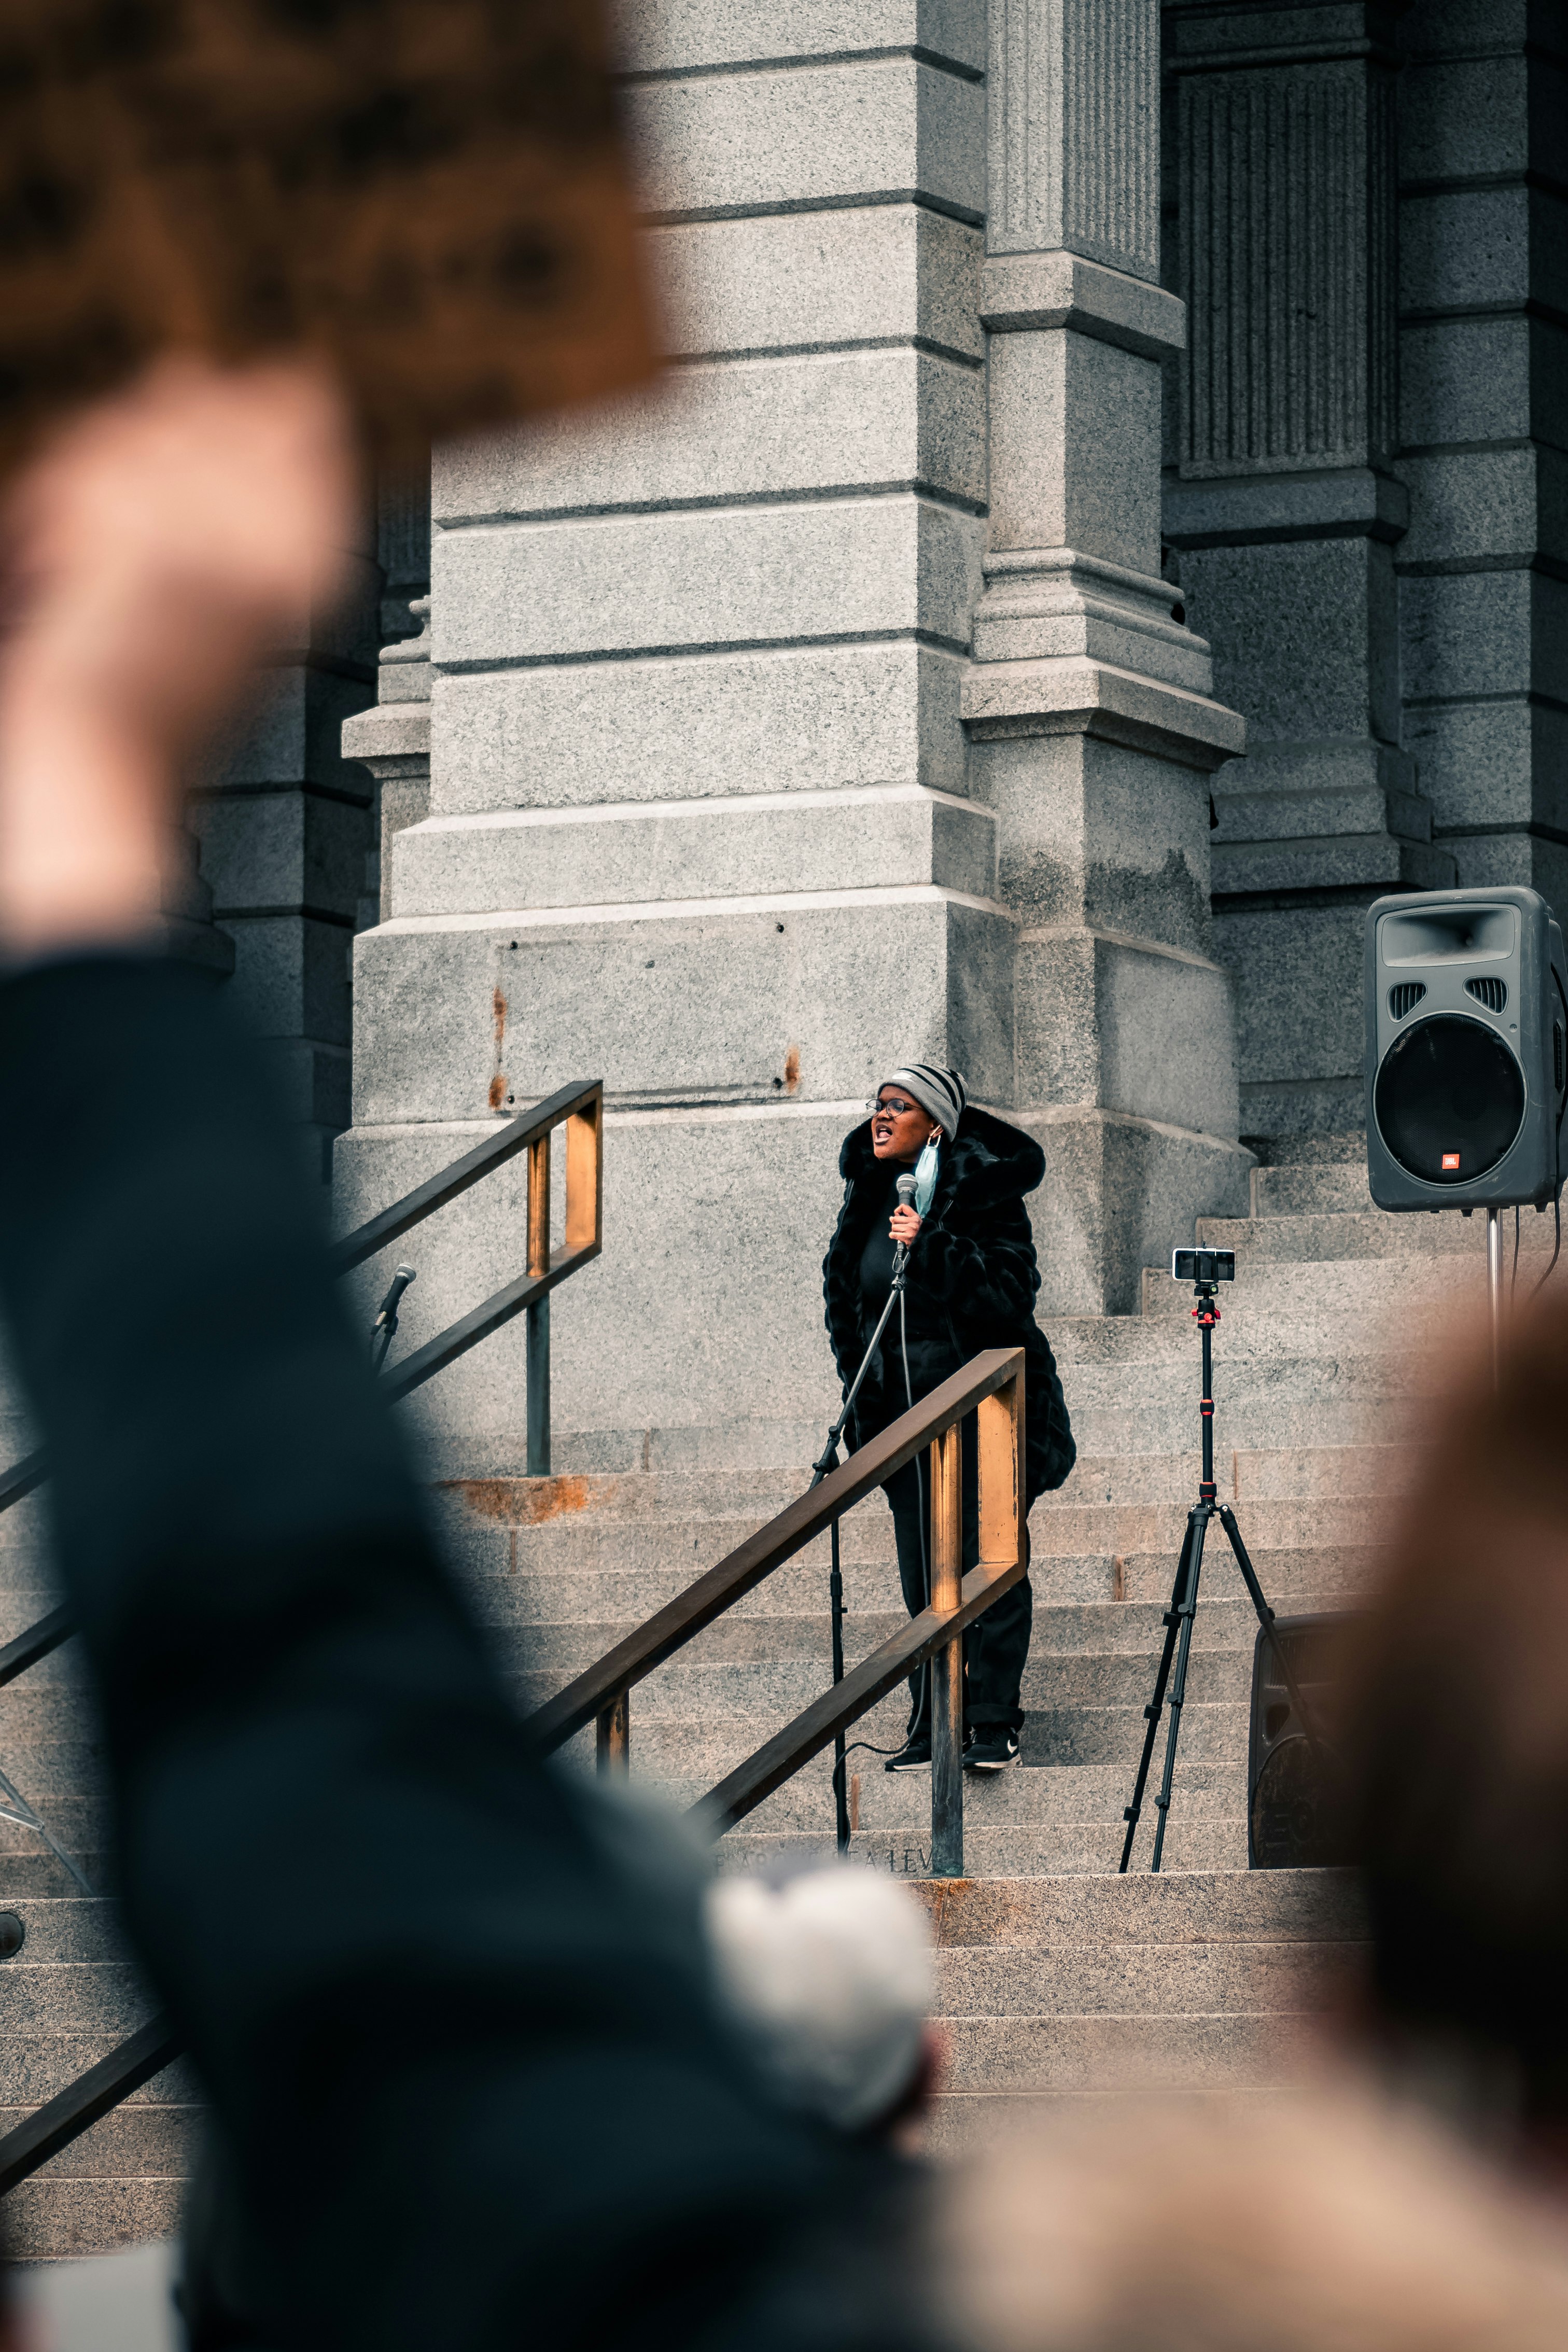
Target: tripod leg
column 840, row 1789
column 1186, row 1611
column 1265, row 1619
column 1153, row 1712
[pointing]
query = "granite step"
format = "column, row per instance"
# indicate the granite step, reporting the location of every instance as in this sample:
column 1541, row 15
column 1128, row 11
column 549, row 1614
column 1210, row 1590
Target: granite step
column 609, row 1597
column 1219, row 1907
column 1371, row 1233
column 1245, row 1419
column 1028, row 1796
column 1296, row 1578
column 1155, row 1978
column 130, row 2138
column 1380, row 1295
column 1255, row 1337
column 1213, row 1731
column 769, row 1691
column 54, row 2216
column 1064, row 1631
column 684, row 1749
column 1092, row 1848
column 32, row 1874
column 69, row 1928
column 1324, row 1190
column 1099, row 2052
column 1276, row 1381
column 1322, row 1521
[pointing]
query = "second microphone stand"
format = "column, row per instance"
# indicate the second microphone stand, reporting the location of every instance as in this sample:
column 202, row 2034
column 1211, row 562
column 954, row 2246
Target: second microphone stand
column 827, row 1461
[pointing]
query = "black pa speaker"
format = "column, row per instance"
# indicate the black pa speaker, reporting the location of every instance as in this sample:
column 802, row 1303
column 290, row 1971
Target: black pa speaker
column 1295, row 1803
column 1466, row 1049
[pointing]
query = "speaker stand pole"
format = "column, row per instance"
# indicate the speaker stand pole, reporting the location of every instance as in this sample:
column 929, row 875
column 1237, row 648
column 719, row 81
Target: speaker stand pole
column 1494, row 1288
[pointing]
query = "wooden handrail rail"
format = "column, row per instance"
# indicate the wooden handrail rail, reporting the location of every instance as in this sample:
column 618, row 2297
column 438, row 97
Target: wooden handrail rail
column 991, row 1386
column 582, row 1103
column 599, row 1686
column 86, row 2101
column 817, row 1725
column 601, row 1693
column 36, row 1642
column 515, row 1136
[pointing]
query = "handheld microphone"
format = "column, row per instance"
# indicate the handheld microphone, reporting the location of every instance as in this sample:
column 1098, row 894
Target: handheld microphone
column 400, row 1281
column 383, row 1330
column 905, row 1188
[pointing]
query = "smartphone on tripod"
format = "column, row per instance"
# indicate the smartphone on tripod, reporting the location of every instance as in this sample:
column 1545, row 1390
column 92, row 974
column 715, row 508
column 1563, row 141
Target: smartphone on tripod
column 1203, row 1266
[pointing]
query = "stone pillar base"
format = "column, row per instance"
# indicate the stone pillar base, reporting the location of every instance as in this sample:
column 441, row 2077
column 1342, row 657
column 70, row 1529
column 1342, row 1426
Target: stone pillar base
column 1121, row 1193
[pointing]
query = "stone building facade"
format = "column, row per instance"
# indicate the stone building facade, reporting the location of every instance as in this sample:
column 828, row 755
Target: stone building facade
column 1100, row 527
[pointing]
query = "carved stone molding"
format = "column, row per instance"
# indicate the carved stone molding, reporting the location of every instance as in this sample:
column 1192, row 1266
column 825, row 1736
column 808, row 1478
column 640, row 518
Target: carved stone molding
column 1073, row 142
column 1287, row 226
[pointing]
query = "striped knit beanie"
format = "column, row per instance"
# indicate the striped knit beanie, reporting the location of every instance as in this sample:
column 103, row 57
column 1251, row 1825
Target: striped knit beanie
column 942, row 1093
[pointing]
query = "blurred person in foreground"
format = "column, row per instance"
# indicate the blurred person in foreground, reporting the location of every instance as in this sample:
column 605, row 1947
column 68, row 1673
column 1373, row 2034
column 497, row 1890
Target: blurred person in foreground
column 1458, row 1710
column 467, row 2065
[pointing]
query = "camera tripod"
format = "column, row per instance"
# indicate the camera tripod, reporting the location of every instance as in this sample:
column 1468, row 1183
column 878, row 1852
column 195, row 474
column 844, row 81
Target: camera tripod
column 1183, row 1609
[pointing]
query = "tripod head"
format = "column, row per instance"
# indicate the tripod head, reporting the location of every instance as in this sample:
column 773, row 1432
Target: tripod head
column 1206, row 1270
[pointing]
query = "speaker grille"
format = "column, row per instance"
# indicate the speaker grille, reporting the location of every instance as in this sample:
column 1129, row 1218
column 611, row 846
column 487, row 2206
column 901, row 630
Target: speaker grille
column 1449, row 1099
column 1295, row 1822
column 1493, row 993
column 1406, row 997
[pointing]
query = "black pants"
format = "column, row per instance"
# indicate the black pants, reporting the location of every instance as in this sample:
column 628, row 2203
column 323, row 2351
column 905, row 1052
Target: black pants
column 996, row 1645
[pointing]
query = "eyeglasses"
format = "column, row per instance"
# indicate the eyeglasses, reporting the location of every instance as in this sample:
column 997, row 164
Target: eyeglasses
column 895, row 1105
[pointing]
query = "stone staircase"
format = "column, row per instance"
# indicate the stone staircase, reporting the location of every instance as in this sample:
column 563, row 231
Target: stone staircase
column 69, row 1992
column 1057, row 1977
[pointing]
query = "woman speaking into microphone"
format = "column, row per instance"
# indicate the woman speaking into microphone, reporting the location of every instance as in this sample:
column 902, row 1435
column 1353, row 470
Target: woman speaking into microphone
column 970, row 1284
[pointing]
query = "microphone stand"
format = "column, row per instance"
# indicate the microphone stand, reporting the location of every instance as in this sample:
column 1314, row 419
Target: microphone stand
column 826, row 1461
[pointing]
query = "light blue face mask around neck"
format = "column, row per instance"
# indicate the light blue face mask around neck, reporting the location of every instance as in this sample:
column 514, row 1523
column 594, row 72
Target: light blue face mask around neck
column 926, row 1167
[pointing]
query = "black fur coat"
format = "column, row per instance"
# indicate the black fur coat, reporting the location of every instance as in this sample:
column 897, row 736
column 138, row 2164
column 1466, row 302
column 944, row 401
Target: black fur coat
column 975, row 1256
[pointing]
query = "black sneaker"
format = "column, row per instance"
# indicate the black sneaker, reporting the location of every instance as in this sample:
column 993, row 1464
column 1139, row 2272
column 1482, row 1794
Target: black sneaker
column 915, row 1758
column 991, row 1747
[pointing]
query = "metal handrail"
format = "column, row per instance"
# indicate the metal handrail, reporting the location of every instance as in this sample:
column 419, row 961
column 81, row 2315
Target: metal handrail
column 88, row 2100
column 990, row 1385
column 580, row 1109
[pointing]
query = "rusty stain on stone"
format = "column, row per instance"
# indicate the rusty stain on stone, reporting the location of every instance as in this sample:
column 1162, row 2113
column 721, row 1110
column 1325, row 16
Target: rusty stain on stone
column 526, row 1502
column 791, row 1068
column 498, row 1084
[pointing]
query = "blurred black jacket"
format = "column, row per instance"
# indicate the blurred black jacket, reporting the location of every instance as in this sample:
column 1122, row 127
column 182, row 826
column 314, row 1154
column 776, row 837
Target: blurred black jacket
column 466, row 2073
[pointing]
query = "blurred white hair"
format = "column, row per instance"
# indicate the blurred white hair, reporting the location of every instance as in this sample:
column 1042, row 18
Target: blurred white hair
column 827, row 1979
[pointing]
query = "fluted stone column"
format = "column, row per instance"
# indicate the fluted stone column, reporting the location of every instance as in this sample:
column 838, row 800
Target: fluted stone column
column 1287, row 512
column 1088, row 702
